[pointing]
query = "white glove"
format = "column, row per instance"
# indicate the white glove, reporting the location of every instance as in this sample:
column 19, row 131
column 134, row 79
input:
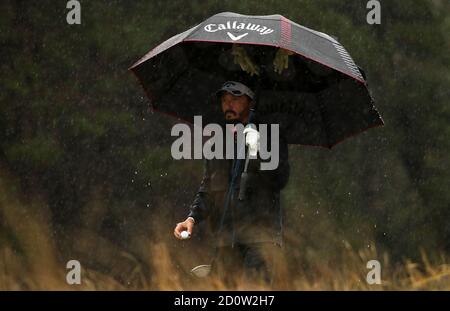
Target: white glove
column 252, row 139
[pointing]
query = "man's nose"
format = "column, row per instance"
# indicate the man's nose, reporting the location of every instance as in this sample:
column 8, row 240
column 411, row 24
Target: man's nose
column 228, row 104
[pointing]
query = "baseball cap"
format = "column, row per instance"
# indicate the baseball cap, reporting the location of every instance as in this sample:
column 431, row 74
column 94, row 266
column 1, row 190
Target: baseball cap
column 236, row 88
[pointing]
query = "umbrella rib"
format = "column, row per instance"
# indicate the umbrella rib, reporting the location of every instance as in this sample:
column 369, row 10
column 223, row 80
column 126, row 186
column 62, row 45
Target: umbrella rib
column 324, row 122
column 173, row 82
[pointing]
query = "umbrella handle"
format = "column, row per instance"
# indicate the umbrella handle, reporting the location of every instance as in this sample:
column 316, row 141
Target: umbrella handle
column 244, row 179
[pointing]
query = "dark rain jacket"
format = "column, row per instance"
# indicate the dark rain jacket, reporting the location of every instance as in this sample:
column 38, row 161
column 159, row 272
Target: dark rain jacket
column 257, row 218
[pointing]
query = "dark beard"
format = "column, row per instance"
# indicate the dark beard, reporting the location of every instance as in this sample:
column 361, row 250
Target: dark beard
column 234, row 121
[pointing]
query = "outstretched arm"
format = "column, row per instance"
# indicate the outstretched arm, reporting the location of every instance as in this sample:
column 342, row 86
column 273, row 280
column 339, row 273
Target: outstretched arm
column 199, row 207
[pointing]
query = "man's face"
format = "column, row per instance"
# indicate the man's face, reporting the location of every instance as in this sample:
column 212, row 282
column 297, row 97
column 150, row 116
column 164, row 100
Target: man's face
column 235, row 107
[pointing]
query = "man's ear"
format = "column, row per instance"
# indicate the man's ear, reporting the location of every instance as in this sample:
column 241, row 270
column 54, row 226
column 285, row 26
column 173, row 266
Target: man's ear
column 250, row 102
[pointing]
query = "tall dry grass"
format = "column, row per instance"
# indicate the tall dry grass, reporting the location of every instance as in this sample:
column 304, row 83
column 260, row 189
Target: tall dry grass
column 31, row 260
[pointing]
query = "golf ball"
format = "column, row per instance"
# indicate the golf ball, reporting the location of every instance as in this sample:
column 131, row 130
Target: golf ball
column 184, row 235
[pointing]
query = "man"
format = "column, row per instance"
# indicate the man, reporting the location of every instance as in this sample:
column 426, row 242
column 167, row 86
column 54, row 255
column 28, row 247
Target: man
column 249, row 230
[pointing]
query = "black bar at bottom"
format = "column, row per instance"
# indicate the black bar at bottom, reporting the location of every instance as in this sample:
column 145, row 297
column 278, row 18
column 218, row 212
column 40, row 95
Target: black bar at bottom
column 222, row 300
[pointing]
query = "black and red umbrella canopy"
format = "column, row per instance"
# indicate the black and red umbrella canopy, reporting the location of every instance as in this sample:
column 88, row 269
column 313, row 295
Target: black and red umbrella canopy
column 321, row 98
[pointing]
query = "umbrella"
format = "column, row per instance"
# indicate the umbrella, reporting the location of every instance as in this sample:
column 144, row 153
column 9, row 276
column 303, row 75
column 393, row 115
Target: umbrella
column 305, row 79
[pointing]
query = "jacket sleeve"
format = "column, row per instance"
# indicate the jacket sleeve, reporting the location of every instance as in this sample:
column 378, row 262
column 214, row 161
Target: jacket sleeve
column 279, row 177
column 199, row 208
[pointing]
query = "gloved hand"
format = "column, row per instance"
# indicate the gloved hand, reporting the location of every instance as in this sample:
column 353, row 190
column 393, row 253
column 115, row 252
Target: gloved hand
column 281, row 60
column 242, row 59
column 252, row 139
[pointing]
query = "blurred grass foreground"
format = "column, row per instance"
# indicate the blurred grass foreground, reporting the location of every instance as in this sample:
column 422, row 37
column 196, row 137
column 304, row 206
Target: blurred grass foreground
column 30, row 260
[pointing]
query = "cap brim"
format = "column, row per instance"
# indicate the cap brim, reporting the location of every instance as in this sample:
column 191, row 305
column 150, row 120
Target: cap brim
column 219, row 92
